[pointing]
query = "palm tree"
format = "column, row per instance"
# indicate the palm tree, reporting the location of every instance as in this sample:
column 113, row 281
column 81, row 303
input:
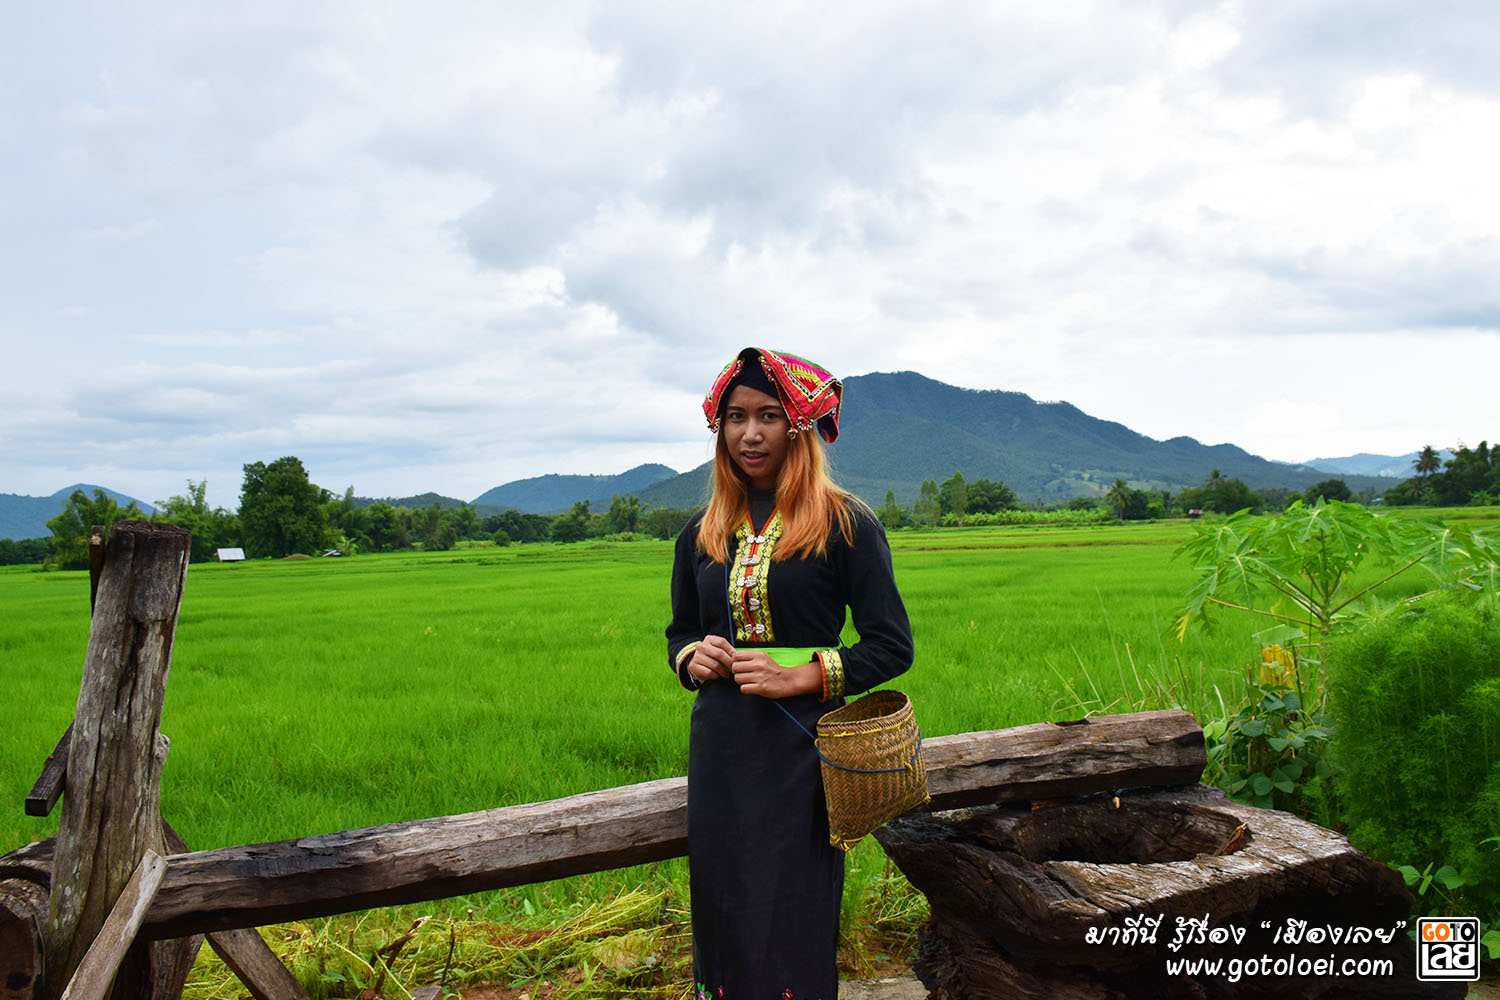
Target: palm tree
column 1427, row 461
column 1119, row 497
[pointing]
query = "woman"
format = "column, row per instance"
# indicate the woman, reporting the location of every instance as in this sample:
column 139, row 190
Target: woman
column 760, row 582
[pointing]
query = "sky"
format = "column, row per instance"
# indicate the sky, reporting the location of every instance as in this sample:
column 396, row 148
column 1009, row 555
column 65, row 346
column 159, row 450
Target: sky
column 445, row 245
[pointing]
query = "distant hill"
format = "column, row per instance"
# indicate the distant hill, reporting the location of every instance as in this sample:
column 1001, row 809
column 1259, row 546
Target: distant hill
column 1365, row 464
column 421, row 500
column 901, row 428
column 550, row 494
column 26, row 516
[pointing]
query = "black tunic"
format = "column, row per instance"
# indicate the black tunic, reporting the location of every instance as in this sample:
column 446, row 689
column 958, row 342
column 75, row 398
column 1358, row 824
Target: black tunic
column 766, row 883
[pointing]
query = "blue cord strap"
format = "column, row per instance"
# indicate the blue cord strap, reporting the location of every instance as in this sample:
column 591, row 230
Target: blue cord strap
column 857, row 770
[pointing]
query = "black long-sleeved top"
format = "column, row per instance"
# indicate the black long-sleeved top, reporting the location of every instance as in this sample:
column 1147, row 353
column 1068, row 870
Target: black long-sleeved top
column 805, row 597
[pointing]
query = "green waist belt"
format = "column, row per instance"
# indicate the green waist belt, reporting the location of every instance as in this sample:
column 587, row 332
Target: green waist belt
column 788, row 656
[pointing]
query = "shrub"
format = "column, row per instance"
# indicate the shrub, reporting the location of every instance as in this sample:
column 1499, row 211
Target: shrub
column 1416, row 696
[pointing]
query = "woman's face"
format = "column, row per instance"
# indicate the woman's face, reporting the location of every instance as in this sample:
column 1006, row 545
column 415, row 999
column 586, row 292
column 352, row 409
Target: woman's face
column 755, row 431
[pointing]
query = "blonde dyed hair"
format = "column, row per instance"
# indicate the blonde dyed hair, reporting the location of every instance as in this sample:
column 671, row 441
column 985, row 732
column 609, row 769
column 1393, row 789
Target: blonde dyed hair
column 810, row 502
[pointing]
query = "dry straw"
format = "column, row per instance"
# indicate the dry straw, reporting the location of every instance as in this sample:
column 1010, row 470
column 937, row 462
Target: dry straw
column 873, row 768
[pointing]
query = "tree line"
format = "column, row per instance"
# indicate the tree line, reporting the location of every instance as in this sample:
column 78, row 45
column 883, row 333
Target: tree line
column 957, row 501
column 282, row 512
column 1470, row 478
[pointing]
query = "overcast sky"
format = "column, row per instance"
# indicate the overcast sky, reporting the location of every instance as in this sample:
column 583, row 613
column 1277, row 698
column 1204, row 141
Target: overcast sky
column 443, row 245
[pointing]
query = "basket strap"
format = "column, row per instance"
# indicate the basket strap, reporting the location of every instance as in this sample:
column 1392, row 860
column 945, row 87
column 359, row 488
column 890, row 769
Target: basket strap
column 857, row 770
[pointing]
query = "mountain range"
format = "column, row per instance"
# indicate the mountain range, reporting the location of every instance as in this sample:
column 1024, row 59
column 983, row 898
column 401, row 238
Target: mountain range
column 901, row 428
column 898, row 429
column 1365, row 464
column 26, row 517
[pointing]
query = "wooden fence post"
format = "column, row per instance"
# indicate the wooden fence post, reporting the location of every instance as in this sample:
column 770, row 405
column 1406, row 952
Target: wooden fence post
column 111, row 813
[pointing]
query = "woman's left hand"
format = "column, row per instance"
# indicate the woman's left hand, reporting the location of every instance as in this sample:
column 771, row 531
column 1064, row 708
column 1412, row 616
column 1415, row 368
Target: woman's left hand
column 758, row 674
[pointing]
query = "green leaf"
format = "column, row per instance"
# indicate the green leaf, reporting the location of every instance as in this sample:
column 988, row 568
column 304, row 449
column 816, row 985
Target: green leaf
column 1252, row 727
column 1260, row 785
column 1449, row 878
column 1409, row 873
column 1277, row 743
column 1491, row 942
column 1285, row 786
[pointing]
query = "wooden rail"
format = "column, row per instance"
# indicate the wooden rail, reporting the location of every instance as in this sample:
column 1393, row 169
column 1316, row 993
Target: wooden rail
column 453, row 855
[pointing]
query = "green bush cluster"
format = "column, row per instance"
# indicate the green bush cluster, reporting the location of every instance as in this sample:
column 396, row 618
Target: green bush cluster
column 1415, row 694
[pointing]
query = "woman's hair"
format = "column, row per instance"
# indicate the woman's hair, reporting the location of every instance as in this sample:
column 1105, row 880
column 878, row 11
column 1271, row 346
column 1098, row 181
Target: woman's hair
column 809, row 501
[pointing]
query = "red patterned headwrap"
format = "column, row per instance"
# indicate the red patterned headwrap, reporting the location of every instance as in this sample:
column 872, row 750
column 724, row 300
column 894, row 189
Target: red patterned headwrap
column 809, row 394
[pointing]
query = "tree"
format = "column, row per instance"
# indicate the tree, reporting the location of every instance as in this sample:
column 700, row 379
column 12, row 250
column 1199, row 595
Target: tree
column 522, row 527
column 70, row 529
column 953, row 495
column 572, row 526
column 624, row 514
column 212, row 529
column 1329, row 489
column 1221, row 495
column 385, row 527
column 928, row 508
column 281, row 511
column 1119, row 497
column 666, row 522
column 986, row 497
column 891, row 515
column 25, row 550
column 1428, row 461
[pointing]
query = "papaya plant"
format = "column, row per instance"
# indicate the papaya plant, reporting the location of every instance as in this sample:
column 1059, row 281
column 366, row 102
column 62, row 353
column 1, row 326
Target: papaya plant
column 1308, row 571
column 1305, row 567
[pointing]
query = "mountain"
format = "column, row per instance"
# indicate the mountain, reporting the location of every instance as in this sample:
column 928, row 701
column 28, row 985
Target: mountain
column 901, row 428
column 26, row 517
column 418, row 502
column 550, row 494
column 1365, row 464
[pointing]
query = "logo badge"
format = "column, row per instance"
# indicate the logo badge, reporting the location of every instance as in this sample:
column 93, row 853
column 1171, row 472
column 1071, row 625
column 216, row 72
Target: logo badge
column 1448, row 948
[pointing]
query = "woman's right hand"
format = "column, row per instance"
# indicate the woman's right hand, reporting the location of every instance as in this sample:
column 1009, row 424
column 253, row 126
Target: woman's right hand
column 712, row 658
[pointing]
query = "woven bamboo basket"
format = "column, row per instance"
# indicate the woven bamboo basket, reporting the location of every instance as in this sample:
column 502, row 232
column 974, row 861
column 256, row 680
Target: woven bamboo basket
column 873, row 769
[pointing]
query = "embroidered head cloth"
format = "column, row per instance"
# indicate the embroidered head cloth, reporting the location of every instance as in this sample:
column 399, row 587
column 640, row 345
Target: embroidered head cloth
column 809, row 394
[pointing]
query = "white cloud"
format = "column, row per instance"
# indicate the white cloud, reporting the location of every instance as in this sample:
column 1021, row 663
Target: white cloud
column 440, row 246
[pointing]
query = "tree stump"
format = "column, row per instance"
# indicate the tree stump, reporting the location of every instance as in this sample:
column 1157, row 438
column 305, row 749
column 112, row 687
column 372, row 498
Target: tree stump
column 1092, row 898
column 111, row 805
column 25, row 875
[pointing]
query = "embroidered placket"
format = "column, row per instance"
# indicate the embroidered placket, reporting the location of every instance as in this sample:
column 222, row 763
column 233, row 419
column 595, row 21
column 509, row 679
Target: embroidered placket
column 752, row 606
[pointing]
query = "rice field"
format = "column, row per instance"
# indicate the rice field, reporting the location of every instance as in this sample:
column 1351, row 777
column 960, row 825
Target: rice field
column 313, row 696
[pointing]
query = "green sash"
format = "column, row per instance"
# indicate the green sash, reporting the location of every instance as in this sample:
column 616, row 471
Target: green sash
column 787, row 656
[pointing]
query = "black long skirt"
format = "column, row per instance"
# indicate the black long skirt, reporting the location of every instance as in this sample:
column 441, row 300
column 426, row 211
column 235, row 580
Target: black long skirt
column 766, row 884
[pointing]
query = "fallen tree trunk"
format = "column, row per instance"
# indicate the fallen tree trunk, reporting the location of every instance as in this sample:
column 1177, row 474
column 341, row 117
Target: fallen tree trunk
column 25, row 875
column 411, row 862
column 1095, row 899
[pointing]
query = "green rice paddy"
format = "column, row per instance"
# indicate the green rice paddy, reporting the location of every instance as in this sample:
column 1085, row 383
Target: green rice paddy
column 314, row 696
column 308, row 697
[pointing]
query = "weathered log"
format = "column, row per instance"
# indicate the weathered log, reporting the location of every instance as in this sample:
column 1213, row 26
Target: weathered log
column 434, row 858
column 251, row 959
column 96, row 973
column 1049, row 760
column 111, row 808
column 25, row 875
column 1017, row 894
